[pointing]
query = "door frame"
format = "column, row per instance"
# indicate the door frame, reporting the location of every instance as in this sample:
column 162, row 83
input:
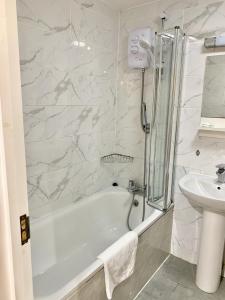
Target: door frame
column 15, row 258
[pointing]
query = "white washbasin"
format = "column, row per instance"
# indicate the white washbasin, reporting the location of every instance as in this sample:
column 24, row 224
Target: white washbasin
column 205, row 192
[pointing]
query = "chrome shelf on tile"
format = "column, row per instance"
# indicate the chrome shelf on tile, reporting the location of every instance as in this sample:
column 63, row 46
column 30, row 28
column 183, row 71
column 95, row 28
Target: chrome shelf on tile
column 117, row 158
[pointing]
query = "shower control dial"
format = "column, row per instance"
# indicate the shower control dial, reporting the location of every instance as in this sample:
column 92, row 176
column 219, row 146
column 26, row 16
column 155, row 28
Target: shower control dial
column 134, row 49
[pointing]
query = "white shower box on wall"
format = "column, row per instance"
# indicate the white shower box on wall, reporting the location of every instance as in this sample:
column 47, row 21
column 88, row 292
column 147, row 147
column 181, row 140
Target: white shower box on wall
column 138, row 57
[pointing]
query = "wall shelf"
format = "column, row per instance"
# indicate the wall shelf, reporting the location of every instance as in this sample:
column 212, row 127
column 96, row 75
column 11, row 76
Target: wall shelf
column 117, row 158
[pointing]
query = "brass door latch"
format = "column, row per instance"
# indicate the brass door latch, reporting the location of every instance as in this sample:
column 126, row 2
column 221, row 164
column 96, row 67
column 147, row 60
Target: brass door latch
column 24, row 229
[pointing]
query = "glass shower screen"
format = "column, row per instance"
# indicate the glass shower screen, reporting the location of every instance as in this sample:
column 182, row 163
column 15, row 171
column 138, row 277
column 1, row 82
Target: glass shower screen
column 167, row 78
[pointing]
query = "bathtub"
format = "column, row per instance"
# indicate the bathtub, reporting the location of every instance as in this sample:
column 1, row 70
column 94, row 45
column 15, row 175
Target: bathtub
column 65, row 243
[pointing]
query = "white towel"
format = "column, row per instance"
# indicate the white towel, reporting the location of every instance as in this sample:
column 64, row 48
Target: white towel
column 119, row 261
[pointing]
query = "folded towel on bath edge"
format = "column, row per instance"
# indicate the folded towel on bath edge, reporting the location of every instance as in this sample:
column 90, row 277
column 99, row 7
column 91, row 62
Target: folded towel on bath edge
column 119, row 261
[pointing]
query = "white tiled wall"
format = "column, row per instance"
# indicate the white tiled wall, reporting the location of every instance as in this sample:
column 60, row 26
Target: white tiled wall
column 68, row 52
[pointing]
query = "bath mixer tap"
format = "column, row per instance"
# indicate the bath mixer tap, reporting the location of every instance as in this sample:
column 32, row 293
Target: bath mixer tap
column 133, row 187
column 221, row 173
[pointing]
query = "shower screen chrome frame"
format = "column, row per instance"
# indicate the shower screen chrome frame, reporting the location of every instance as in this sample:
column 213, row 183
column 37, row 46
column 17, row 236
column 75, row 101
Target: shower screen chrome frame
column 178, row 46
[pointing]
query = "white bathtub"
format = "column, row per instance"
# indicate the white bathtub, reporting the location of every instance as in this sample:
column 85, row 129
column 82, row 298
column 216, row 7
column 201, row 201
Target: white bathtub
column 65, row 244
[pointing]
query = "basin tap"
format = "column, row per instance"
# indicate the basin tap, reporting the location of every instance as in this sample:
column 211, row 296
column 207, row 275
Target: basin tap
column 221, row 173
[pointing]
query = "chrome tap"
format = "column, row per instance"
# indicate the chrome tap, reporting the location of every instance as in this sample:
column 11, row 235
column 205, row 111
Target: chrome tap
column 221, row 173
column 133, row 187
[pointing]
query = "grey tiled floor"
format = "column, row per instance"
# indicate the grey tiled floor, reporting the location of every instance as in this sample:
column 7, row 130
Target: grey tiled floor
column 176, row 281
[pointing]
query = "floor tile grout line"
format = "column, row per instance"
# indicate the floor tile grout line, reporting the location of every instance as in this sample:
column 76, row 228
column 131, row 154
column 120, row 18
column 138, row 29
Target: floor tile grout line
column 185, row 289
column 152, row 277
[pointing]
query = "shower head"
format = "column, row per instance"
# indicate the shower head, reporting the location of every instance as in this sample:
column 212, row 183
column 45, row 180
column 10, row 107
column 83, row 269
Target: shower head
column 144, row 44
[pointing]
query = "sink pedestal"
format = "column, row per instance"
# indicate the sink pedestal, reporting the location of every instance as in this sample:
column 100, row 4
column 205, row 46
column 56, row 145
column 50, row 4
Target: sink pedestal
column 211, row 252
column 205, row 192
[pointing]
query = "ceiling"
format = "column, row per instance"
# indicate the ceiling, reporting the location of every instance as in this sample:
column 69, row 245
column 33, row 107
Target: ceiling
column 124, row 4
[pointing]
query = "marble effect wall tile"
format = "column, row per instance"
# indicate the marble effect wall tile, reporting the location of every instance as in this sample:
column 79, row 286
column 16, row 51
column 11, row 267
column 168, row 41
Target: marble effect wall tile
column 68, row 70
column 205, row 19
